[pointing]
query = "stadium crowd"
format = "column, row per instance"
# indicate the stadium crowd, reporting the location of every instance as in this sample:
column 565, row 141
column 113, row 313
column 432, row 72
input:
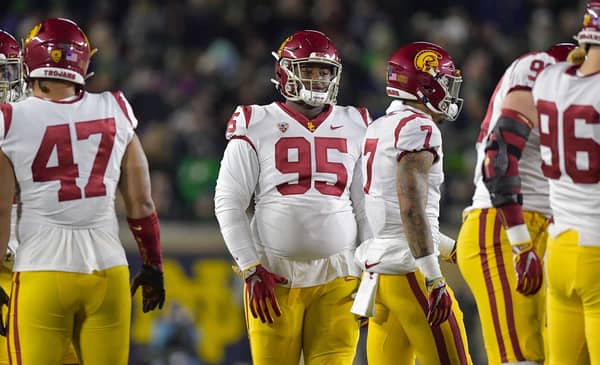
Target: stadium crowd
column 185, row 65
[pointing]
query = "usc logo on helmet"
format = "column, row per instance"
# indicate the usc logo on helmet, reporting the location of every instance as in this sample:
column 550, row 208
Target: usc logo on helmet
column 427, row 60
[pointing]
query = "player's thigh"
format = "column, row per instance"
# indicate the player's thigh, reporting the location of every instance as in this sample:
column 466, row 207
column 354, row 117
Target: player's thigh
column 406, row 297
column 331, row 331
column 40, row 317
column 589, row 287
column 511, row 323
column 103, row 330
column 566, row 328
column 279, row 342
column 387, row 342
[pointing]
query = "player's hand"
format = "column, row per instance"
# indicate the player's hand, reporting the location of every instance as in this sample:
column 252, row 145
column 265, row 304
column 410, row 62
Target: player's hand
column 153, row 287
column 528, row 268
column 440, row 302
column 4, row 300
column 260, row 292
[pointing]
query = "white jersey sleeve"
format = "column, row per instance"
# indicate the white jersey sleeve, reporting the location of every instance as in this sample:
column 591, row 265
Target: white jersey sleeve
column 422, row 134
column 126, row 108
column 236, row 183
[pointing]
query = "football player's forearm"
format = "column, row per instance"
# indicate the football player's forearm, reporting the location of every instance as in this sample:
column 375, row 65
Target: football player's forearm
column 418, row 232
column 235, row 230
column 236, row 183
column 412, row 188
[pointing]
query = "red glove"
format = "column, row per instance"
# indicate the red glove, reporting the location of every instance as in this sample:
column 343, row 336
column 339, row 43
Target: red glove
column 440, row 302
column 528, row 268
column 260, row 288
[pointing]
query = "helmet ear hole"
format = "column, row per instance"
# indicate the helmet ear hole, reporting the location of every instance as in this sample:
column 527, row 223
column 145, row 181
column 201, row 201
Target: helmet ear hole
column 428, row 89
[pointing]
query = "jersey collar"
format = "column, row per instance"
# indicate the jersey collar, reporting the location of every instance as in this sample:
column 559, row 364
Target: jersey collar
column 399, row 105
column 310, row 124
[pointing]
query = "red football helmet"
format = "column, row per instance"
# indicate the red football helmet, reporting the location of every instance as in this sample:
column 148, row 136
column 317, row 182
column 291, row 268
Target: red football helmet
column 590, row 30
column 425, row 72
column 11, row 71
column 560, row 51
column 57, row 49
column 301, row 48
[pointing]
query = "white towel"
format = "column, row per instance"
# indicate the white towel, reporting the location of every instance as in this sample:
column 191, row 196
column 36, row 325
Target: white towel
column 364, row 301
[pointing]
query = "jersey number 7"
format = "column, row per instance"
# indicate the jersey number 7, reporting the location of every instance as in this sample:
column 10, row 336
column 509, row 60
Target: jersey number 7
column 66, row 170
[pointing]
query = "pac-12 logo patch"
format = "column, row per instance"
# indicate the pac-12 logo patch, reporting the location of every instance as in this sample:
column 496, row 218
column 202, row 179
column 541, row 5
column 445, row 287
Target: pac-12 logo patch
column 283, row 127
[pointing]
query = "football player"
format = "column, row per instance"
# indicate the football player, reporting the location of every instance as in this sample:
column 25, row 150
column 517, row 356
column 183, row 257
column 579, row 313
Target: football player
column 567, row 98
column 300, row 159
column 12, row 89
column 69, row 150
column 509, row 302
column 414, row 312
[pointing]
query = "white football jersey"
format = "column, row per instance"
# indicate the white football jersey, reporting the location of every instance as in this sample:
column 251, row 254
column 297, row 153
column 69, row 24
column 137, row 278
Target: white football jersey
column 67, row 160
column 568, row 107
column 520, row 75
column 301, row 172
column 402, row 130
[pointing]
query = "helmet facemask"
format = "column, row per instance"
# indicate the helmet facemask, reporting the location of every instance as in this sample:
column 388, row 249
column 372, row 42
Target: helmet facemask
column 11, row 79
column 451, row 104
column 314, row 92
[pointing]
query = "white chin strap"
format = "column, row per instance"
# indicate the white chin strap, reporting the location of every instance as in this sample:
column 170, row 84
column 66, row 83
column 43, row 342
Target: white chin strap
column 313, row 98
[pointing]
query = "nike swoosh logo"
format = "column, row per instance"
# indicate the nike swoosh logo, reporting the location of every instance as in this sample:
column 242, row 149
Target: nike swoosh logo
column 334, row 127
column 137, row 228
column 368, row 266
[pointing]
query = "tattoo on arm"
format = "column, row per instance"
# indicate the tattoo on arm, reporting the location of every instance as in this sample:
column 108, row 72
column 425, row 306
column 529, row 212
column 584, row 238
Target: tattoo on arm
column 412, row 187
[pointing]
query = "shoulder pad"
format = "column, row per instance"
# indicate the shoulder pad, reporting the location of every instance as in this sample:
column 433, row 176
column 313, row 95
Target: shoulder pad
column 416, row 133
column 125, row 107
column 239, row 122
column 364, row 114
column 527, row 68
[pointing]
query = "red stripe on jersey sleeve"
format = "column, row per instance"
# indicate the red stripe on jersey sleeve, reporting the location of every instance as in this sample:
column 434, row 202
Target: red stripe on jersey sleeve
column 247, row 113
column 401, row 125
column 519, row 88
column 7, row 114
column 244, row 138
column 364, row 113
column 119, row 98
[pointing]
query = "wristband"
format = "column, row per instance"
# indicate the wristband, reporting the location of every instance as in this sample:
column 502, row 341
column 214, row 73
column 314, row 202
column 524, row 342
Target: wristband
column 518, row 235
column 429, row 266
column 146, row 232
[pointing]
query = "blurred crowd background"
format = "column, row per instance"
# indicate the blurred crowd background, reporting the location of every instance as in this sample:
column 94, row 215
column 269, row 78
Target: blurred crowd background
column 185, row 64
